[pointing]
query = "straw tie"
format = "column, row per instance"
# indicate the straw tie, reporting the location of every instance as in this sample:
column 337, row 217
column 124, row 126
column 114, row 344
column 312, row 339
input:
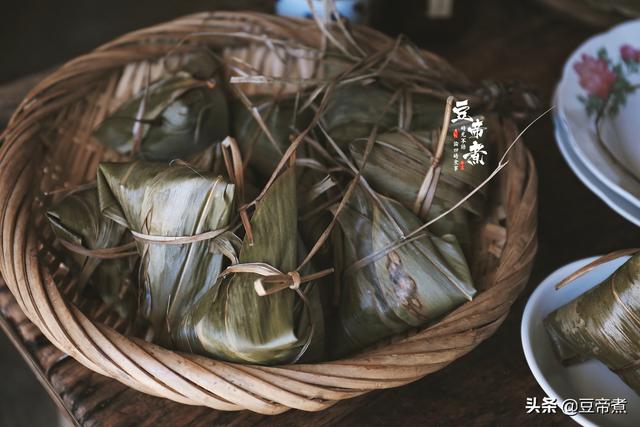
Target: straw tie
column 272, row 281
column 428, row 188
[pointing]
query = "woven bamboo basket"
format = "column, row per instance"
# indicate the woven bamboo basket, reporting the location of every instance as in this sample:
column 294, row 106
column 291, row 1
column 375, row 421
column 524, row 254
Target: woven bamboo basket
column 47, row 146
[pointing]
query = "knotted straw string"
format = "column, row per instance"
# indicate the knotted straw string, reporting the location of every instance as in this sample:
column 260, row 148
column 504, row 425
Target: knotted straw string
column 428, row 187
column 69, row 191
column 272, row 281
column 601, row 260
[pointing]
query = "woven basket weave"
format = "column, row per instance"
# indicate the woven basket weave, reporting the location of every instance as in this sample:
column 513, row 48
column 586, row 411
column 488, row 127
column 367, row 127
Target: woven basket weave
column 47, row 146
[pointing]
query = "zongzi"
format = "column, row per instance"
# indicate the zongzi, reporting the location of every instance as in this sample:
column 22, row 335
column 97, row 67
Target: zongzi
column 88, row 237
column 281, row 118
column 179, row 217
column 354, row 110
column 173, row 118
column 386, row 288
column 233, row 322
column 397, row 166
column 603, row 323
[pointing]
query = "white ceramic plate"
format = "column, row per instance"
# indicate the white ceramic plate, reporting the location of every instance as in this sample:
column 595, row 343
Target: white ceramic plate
column 603, row 75
column 629, row 210
column 588, row 380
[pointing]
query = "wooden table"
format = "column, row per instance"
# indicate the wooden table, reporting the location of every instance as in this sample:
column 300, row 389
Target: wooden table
column 509, row 40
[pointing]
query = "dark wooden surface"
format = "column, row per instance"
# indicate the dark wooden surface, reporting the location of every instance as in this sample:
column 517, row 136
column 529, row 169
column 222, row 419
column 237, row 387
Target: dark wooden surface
column 508, row 40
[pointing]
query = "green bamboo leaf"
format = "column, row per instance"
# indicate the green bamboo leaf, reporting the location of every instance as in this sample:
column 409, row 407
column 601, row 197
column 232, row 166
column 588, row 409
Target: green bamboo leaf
column 178, row 117
column 76, row 219
column 399, row 162
column 232, row 322
column 354, row 110
column 169, row 201
column 406, row 287
column 280, row 118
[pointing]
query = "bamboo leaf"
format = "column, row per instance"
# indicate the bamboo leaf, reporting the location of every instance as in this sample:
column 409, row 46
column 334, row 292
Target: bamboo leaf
column 168, row 201
column 603, row 323
column 280, row 117
column 232, row 321
column 76, row 219
column 405, row 287
column 354, row 110
column 175, row 118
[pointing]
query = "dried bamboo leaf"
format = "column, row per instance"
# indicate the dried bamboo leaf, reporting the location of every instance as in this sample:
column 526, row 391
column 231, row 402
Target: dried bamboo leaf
column 76, row 219
column 406, row 287
column 232, row 321
column 163, row 201
column 176, row 118
column 603, row 323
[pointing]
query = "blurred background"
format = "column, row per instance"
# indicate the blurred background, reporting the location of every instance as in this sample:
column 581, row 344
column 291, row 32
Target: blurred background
column 35, row 34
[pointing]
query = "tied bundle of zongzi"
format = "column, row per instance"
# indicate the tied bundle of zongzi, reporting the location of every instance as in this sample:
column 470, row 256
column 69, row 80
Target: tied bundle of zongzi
column 92, row 241
column 173, row 118
column 386, row 288
column 235, row 240
column 233, row 322
column 603, row 323
column 179, row 217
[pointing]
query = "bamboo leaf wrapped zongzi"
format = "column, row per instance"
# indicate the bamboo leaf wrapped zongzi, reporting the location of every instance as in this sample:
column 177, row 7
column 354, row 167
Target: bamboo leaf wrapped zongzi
column 174, row 212
column 174, row 118
column 354, row 110
column 386, row 289
column 603, row 323
column 280, row 117
column 233, row 322
column 78, row 223
column 397, row 166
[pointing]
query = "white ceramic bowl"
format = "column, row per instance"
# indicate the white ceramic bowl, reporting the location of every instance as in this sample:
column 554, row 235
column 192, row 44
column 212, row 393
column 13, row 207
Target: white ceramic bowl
column 622, row 205
column 588, row 380
column 620, row 132
column 594, row 72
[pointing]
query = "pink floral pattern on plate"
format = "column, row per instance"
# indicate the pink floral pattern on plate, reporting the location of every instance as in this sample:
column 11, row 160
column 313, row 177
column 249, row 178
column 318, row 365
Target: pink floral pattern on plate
column 606, row 83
